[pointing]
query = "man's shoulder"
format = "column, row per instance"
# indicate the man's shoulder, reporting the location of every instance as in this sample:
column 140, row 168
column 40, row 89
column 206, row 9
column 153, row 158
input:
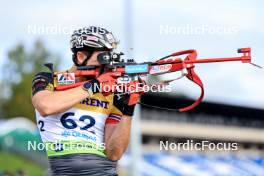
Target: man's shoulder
column 42, row 77
column 42, row 81
column 43, row 74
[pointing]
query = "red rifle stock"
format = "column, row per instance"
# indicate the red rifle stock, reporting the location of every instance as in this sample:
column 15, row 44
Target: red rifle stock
column 177, row 64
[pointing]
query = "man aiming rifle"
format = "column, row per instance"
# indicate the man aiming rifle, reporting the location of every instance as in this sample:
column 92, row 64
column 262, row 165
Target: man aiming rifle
column 86, row 130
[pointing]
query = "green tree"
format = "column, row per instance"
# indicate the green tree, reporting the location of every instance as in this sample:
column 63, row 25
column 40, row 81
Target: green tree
column 18, row 72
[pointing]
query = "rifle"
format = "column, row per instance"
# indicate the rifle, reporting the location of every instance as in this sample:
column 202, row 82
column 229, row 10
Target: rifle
column 130, row 72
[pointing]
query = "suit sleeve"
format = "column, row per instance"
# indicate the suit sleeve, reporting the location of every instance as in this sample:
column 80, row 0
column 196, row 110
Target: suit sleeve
column 116, row 115
column 42, row 81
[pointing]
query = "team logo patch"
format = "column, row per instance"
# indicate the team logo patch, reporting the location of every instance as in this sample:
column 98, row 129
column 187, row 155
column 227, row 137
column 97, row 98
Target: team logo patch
column 66, row 78
column 160, row 68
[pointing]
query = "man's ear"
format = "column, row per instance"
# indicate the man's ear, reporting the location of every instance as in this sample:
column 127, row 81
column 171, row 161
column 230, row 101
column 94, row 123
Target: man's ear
column 81, row 56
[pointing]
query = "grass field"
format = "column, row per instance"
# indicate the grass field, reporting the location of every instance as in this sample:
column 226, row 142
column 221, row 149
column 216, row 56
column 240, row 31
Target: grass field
column 11, row 163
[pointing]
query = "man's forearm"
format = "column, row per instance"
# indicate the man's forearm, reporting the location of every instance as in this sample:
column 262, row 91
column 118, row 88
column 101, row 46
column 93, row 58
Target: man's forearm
column 47, row 102
column 117, row 143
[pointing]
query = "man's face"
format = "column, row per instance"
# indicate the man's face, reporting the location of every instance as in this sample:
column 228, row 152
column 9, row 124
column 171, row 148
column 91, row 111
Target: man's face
column 81, row 56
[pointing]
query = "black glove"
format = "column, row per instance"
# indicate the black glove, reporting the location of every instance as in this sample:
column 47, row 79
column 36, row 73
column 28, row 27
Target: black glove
column 126, row 102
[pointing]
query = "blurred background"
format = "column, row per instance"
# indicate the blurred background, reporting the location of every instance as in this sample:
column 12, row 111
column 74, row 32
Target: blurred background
column 36, row 32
